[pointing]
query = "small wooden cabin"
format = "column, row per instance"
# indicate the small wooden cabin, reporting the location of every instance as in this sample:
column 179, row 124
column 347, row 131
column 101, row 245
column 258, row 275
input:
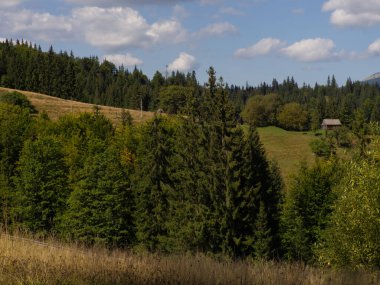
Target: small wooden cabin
column 331, row 124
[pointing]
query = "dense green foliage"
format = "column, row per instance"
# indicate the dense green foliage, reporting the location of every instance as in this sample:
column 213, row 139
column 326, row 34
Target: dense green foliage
column 16, row 98
column 194, row 182
column 307, row 208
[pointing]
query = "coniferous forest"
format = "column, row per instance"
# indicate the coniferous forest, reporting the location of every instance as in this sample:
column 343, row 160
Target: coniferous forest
column 197, row 180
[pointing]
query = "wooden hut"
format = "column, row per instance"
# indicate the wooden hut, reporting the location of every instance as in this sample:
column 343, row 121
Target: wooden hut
column 331, row 124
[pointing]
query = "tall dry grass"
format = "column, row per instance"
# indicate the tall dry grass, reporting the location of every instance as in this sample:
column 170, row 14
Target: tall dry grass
column 24, row 261
column 57, row 107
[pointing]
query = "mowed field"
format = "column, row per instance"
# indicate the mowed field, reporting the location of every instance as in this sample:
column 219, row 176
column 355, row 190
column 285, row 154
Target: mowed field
column 57, row 107
column 287, row 148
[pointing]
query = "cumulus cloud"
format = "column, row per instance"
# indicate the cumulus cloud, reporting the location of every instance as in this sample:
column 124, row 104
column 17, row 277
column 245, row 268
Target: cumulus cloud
column 37, row 26
column 184, row 62
column 262, row 47
column 169, row 31
column 311, row 50
column 307, row 50
column 353, row 12
column 111, row 29
column 217, row 29
column 374, row 48
column 123, row 59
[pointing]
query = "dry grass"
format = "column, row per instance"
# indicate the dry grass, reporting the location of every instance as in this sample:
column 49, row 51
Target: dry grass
column 56, row 107
column 23, row 261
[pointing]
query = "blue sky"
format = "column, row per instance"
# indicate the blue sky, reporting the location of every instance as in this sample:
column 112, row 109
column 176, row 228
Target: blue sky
column 247, row 41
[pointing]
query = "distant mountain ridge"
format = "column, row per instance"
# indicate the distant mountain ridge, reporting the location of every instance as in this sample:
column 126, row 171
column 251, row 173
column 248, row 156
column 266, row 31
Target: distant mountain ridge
column 373, row 79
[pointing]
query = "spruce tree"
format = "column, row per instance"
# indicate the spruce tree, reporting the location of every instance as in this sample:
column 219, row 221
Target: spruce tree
column 152, row 183
column 41, row 184
column 101, row 204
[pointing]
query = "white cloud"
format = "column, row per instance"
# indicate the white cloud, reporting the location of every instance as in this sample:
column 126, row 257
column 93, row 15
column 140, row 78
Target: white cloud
column 184, row 62
column 262, row 47
column 112, row 28
column 217, row 29
column 10, row 3
column 353, row 12
column 308, row 50
column 169, row 31
column 312, row 50
column 37, row 26
column 374, row 48
column 123, row 59
column 113, row 3
column 3, row 40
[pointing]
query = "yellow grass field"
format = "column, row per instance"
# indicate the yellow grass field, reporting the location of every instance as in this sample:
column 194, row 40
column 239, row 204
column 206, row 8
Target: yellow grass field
column 24, row 261
column 56, row 107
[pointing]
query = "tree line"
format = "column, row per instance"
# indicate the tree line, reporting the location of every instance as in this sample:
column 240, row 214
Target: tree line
column 26, row 67
column 303, row 108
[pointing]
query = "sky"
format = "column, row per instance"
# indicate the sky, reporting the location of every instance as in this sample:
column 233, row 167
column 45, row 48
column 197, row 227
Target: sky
column 246, row 41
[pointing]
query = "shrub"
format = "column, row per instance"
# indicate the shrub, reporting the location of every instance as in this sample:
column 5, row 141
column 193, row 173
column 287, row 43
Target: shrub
column 293, row 117
column 320, row 147
column 16, row 98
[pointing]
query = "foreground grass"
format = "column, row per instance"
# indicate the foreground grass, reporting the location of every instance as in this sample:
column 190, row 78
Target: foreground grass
column 23, row 261
column 57, row 107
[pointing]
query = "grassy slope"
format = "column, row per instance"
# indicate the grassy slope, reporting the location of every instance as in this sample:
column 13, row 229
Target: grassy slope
column 287, row 148
column 23, row 261
column 56, row 107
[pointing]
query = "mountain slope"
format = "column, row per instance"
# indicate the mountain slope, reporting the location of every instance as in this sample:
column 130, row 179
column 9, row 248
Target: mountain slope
column 373, row 79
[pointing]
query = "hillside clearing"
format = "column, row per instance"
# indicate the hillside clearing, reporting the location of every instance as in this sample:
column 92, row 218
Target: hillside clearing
column 57, row 107
column 287, row 148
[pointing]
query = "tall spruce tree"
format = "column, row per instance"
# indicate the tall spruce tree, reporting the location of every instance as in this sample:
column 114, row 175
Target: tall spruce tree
column 152, row 183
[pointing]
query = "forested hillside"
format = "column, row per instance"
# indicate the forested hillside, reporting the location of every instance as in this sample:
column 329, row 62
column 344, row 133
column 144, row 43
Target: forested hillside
column 197, row 182
column 285, row 104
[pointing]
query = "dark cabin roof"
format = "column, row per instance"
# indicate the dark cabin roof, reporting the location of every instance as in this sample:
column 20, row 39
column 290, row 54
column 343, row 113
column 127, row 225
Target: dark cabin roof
column 331, row 122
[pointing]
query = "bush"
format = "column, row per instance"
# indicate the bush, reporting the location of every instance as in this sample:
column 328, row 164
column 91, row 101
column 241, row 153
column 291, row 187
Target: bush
column 16, row 98
column 293, row 117
column 320, row 147
column 352, row 237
